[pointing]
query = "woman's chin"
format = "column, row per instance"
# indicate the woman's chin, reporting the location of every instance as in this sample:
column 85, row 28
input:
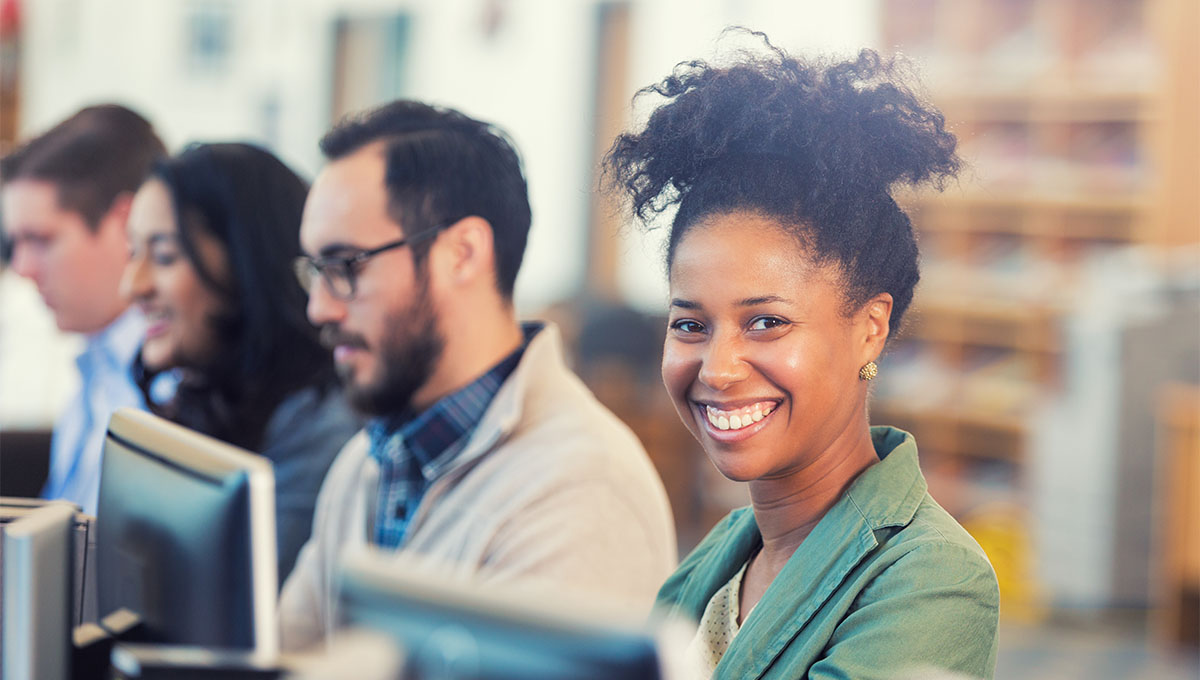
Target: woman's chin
column 734, row 471
column 154, row 358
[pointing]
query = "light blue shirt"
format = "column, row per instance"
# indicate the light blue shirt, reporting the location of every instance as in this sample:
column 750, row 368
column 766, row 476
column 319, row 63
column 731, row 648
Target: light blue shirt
column 107, row 384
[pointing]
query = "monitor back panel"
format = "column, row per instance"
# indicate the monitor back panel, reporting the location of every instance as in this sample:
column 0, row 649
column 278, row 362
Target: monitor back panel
column 169, row 540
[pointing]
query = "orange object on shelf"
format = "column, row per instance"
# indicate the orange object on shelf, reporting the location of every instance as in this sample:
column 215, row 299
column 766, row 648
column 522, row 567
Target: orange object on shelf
column 1179, row 421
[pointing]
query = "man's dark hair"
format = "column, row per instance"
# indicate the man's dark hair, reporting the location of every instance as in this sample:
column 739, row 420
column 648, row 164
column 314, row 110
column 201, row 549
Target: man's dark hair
column 443, row 166
column 92, row 157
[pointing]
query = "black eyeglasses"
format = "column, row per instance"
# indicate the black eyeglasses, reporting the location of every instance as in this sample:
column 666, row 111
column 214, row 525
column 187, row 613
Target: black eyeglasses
column 340, row 273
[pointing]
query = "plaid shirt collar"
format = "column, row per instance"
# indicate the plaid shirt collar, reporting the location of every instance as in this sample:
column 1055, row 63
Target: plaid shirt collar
column 426, row 443
column 413, row 450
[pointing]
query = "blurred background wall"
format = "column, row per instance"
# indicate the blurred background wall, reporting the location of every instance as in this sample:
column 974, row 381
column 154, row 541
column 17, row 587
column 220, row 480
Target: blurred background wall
column 1050, row 366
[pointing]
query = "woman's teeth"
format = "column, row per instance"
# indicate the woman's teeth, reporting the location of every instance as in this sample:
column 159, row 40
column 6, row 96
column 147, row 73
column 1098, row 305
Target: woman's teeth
column 736, row 420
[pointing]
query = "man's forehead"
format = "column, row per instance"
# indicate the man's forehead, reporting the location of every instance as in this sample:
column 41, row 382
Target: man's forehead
column 348, row 202
column 362, row 171
column 28, row 191
column 28, row 204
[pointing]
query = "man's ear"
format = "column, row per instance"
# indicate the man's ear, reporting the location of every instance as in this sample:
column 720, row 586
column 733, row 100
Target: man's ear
column 117, row 214
column 466, row 251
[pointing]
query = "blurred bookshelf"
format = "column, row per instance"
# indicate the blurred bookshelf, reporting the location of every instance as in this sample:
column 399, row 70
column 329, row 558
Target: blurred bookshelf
column 1077, row 122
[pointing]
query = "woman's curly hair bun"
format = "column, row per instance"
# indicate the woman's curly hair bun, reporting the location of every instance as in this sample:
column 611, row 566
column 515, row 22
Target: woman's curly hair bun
column 851, row 127
column 817, row 145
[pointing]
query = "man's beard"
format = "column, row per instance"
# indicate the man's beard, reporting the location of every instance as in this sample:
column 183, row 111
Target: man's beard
column 406, row 356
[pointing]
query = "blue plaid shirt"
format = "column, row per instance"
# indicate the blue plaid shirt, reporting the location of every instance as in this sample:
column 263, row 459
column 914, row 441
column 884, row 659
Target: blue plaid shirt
column 414, row 450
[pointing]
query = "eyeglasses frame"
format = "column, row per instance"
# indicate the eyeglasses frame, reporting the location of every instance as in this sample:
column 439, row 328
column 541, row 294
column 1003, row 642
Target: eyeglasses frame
column 306, row 266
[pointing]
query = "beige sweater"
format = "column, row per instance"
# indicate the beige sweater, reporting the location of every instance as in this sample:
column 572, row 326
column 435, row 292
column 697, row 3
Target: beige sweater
column 551, row 488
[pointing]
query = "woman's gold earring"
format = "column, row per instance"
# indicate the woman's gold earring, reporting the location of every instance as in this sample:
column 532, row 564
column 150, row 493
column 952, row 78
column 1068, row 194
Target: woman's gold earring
column 868, row 371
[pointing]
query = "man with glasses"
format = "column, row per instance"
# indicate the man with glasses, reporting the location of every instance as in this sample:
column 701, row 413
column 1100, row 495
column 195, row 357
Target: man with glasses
column 485, row 455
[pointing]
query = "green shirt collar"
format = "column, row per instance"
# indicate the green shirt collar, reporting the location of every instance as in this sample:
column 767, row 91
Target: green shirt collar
column 884, row 495
column 887, row 494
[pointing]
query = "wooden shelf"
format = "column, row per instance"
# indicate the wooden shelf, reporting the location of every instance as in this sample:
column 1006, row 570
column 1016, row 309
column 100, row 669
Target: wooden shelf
column 987, row 323
column 957, row 432
column 1179, row 428
column 1062, row 102
column 1091, row 202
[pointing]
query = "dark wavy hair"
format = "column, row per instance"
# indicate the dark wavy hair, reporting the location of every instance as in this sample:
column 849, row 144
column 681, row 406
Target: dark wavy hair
column 816, row 147
column 251, row 203
column 442, row 166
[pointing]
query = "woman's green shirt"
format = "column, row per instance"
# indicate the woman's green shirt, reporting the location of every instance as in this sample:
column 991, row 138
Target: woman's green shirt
column 887, row 585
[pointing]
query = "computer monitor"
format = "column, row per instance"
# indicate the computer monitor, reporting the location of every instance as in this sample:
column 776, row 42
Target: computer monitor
column 84, row 593
column 36, row 599
column 451, row 631
column 186, row 536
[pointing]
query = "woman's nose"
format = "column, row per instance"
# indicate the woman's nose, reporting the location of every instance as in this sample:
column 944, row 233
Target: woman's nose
column 135, row 281
column 723, row 364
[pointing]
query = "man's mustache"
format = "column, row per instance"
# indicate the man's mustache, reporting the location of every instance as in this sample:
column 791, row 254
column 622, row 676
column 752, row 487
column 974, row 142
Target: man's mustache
column 332, row 336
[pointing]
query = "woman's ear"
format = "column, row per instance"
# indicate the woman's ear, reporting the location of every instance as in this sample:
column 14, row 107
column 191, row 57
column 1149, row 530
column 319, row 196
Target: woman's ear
column 466, row 251
column 875, row 322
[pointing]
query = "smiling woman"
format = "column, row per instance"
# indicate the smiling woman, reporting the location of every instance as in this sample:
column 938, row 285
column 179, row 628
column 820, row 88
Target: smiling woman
column 790, row 266
column 179, row 307
column 213, row 234
column 757, row 356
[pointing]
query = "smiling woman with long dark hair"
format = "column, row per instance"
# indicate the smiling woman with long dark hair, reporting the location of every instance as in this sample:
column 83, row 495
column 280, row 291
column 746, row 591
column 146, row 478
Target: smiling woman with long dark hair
column 790, row 266
column 213, row 235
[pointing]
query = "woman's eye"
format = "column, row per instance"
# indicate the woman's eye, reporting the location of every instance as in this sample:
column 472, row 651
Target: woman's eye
column 766, row 323
column 687, row 326
column 164, row 258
